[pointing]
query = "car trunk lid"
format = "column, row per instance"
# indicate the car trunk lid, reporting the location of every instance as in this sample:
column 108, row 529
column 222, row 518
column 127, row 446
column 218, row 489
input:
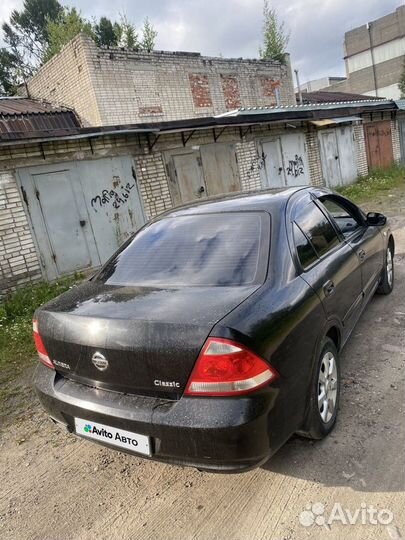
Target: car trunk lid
column 150, row 337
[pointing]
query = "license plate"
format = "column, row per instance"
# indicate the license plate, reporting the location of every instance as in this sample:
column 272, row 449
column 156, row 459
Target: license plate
column 116, row 437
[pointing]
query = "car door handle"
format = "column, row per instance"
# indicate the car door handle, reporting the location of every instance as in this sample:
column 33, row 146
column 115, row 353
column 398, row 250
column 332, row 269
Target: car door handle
column 361, row 254
column 328, row 288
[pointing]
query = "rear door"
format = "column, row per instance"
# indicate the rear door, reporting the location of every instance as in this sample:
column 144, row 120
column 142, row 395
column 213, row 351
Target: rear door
column 330, row 266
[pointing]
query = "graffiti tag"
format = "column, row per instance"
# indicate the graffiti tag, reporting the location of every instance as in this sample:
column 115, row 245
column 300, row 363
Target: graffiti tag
column 295, row 166
column 112, row 196
column 257, row 164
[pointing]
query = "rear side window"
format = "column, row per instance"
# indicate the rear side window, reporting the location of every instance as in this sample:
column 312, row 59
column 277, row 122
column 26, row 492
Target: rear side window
column 198, row 250
column 305, row 251
column 317, row 228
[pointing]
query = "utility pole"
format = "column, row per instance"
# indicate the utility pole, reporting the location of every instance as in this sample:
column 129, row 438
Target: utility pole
column 298, row 85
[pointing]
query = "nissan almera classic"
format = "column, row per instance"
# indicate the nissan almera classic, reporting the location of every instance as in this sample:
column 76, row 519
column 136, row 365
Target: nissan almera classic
column 213, row 335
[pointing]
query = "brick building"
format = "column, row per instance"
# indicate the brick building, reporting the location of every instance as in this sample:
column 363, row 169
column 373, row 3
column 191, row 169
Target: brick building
column 374, row 57
column 70, row 195
column 108, row 86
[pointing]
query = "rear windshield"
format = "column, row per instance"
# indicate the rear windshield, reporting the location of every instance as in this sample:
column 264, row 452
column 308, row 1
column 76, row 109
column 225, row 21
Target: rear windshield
column 200, row 250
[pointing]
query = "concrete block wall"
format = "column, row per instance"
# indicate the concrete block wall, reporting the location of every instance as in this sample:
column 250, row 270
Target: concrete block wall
column 380, row 31
column 19, row 262
column 118, row 86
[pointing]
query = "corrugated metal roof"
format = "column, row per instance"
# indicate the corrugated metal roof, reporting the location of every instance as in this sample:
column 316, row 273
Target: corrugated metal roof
column 328, row 97
column 400, row 103
column 237, row 118
column 23, row 118
column 310, row 107
column 335, row 121
column 20, row 105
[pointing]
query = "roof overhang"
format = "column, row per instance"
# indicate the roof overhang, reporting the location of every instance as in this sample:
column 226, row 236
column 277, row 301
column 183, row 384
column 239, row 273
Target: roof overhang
column 338, row 112
column 336, row 121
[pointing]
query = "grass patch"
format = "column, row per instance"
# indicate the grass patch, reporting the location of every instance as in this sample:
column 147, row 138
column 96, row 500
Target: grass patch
column 374, row 185
column 16, row 311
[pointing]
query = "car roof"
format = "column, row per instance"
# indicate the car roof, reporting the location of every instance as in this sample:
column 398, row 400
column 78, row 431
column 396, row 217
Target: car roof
column 265, row 200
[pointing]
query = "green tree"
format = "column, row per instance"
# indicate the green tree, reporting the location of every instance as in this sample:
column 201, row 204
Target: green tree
column 105, row 33
column 66, row 27
column 149, row 35
column 8, row 72
column 26, row 39
column 128, row 36
column 275, row 36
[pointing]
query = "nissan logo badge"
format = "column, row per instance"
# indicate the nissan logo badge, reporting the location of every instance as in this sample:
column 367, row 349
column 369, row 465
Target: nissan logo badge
column 100, row 361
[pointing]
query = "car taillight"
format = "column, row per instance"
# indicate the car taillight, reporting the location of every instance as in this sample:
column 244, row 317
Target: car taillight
column 226, row 368
column 39, row 344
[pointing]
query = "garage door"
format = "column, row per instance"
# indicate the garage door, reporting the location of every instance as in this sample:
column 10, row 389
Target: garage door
column 285, row 161
column 81, row 212
column 207, row 170
column 379, row 144
column 337, row 156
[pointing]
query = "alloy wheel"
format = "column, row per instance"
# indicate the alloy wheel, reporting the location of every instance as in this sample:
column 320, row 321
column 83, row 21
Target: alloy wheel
column 389, row 267
column 327, row 387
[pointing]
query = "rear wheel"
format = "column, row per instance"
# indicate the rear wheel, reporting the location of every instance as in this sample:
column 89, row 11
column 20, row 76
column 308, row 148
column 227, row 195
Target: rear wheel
column 387, row 279
column 325, row 391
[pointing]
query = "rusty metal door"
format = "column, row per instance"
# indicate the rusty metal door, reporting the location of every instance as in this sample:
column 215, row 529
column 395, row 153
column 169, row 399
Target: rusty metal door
column 379, row 144
column 272, row 175
column 187, row 182
column 330, row 158
column 220, row 168
column 112, row 200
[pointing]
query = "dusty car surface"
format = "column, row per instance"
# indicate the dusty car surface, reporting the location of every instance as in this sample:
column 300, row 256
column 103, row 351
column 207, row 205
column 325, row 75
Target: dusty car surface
column 214, row 333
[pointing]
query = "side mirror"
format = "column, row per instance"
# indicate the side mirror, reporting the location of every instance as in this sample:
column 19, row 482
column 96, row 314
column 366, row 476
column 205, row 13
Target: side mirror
column 376, row 219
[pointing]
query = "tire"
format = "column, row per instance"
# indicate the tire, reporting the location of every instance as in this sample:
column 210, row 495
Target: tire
column 387, row 278
column 321, row 419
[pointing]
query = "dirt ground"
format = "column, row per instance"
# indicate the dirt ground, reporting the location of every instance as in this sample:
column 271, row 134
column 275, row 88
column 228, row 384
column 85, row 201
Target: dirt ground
column 54, row 486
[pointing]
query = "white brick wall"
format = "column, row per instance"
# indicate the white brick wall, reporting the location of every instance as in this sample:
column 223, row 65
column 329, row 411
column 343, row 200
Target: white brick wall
column 18, row 258
column 360, row 150
column 314, row 158
column 153, row 184
column 247, row 156
column 396, row 146
column 116, row 86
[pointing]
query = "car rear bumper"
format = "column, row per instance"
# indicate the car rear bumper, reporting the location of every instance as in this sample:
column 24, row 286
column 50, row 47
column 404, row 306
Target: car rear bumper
column 217, row 434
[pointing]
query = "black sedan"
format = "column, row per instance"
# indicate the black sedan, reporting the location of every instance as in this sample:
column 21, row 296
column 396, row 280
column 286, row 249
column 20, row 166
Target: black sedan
column 214, row 333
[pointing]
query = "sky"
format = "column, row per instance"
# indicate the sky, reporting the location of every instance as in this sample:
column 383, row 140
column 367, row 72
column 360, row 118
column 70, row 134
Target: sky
column 233, row 28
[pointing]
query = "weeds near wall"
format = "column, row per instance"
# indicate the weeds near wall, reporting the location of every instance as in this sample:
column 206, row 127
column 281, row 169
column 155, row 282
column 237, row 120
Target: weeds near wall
column 378, row 183
column 16, row 311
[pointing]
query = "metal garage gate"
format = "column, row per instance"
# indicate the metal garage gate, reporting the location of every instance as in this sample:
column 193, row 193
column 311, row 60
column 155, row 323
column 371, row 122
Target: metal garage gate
column 338, row 156
column 81, row 212
column 204, row 171
column 285, row 161
column 379, row 144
